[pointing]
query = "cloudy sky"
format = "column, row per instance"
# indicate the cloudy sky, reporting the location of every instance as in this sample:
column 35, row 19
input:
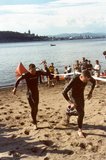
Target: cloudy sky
column 48, row 17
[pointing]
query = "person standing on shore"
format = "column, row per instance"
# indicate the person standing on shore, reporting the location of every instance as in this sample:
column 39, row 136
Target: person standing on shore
column 31, row 78
column 76, row 98
column 77, row 66
column 97, row 69
column 51, row 70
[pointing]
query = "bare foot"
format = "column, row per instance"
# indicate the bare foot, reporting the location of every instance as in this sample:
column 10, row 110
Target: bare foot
column 35, row 127
column 81, row 134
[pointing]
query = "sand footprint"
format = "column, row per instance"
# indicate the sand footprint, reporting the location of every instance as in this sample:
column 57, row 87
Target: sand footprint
column 1, row 119
column 23, row 102
column 22, row 123
column 5, row 113
column 27, row 131
column 7, row 105
column 2, row 108
column 26, row 107
column 8, row 118
column 11, row 111
column 17, row 117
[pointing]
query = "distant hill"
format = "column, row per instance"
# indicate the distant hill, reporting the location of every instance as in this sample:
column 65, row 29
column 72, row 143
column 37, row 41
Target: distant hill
column 9, row 36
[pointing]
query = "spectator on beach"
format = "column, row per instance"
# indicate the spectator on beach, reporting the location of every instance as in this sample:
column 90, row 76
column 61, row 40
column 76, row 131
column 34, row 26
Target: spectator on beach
column 31, row 78
column 77, row 66
column 84, row 65
column 90, row 67
column 43, row 78
column 69, row 69
column 83, row 60
column 65, row 70
column 51, row 80
column 51, row 68
column 40, row 79
column 76, row 98
column 97, row 69
column 57, row 76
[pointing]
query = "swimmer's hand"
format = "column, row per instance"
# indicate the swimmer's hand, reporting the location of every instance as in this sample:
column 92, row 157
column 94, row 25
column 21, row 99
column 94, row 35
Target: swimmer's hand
column 14, row 91
column 72, row 104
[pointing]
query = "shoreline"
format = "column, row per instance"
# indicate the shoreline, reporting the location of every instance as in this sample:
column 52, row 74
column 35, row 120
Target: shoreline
column 61, row 81
column 6, row 86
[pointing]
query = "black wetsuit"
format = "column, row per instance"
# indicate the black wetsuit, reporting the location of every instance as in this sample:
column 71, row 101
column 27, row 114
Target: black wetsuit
column 32, row 90
column 77, row 95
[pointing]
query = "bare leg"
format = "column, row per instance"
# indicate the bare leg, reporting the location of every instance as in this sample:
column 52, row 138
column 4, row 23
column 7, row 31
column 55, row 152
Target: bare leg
column 68, row 119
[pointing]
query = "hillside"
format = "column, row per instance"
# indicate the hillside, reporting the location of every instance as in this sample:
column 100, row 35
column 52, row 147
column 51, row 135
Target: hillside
column 9, row 36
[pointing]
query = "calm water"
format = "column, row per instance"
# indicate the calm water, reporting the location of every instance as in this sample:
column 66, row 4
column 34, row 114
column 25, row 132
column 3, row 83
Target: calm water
column 64, row 53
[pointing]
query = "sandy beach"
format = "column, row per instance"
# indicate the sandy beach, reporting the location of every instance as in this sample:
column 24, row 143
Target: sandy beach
column 53, row 140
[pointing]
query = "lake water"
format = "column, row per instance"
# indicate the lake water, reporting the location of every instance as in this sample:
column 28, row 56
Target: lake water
column 64, row 53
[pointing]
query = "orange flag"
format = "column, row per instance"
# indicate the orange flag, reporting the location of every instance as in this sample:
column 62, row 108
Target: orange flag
column 20, row 70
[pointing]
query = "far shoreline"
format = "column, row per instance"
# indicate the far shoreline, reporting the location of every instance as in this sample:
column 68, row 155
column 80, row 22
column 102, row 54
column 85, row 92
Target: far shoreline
column 51, row 41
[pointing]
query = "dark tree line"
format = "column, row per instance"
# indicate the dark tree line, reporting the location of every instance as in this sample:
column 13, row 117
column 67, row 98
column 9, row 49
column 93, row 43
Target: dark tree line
column 9, row 36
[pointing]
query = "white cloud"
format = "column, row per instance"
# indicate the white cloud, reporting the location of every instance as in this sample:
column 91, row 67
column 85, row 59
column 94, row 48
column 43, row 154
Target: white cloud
column 55, row 17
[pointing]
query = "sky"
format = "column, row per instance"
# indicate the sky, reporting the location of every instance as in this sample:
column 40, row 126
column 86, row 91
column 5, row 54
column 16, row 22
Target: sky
column 51, row 17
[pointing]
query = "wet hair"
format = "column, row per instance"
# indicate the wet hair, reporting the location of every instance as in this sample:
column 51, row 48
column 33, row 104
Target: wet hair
column 31, row 65
column 86, row 73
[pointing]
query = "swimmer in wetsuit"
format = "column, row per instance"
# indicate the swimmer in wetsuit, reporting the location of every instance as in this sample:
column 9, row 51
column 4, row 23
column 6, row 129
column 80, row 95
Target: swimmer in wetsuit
column 76, row 99
column 31, row 78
